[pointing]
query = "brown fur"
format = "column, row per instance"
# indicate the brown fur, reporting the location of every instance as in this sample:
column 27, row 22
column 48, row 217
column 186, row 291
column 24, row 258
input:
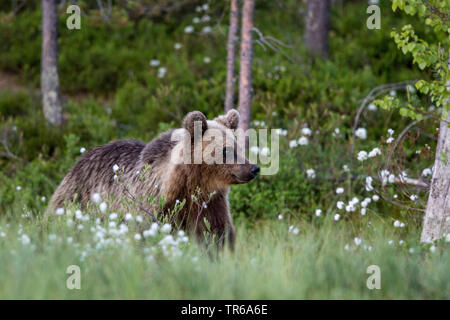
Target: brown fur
column 94, row 174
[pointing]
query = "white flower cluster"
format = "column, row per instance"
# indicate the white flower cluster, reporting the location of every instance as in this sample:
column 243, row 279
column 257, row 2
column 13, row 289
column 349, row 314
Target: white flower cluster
column 361, row 133
column 303, row 140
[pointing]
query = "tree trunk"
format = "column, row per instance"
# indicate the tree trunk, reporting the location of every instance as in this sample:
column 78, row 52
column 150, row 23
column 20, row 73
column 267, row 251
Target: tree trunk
column 51, row 99
column 317, row 25
column 245, row 75
column 437, row 216
column 231, row 54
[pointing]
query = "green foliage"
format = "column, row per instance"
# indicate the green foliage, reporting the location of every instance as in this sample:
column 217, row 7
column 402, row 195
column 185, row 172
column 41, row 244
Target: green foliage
column 432, row 55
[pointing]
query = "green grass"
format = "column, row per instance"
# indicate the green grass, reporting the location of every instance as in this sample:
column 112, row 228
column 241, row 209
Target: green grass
column 269, row 263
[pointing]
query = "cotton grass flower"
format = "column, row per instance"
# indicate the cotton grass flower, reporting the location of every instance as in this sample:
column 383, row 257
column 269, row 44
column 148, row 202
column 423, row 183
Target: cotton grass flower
column 154, row 63
column 413, row 197
column 96, row 198
column 82, row 150
column 103, row 206
column 340, row 190
column 162, row 72
column 303, row 141
column 188, row 29
column 361, row 133
column 336, row 217
column 375, row 152
column 206, row 30
column 206, row 59
column 311, row 173
column 293, row 144
column 306, row 131
column 357, row 241
column 318, row 212
column 177, row 46
column 59, row 211
column 362, row 156
column 166, row 228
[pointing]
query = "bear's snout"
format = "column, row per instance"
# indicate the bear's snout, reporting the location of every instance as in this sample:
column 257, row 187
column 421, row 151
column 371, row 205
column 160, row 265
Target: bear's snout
column 255, row 171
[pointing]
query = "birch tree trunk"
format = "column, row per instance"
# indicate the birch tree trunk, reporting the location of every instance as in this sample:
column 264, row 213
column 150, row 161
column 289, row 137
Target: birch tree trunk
column 231, row 54
column 437, row 215
column 51, row 99
column 245, row 75
column 317, row 25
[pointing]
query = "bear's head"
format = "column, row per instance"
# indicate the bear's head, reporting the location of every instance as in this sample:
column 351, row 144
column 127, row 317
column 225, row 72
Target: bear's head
column 215, row 149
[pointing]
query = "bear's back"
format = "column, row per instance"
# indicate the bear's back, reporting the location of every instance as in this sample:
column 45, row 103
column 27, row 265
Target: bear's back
column 94, row 171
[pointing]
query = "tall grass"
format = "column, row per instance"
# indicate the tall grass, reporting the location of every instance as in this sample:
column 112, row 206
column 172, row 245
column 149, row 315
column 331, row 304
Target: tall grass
column 269, row 263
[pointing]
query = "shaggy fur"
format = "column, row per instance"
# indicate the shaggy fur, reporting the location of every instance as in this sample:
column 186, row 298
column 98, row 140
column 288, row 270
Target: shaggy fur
column 146, row 170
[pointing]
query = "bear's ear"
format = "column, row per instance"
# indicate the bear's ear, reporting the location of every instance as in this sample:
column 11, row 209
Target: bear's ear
column 230, row 120
column 195, row 119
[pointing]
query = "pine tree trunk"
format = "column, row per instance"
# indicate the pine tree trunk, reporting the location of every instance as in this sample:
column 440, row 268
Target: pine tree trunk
column 51, row 99
column 245, row 75
column 231, row 54
column 437, row 216
column 317, row 25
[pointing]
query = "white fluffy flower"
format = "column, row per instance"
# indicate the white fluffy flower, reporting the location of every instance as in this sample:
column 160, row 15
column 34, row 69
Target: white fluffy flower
column 103, row 207
column 96, row 198
column 340, row 205
column 357, row 241
column 128, row 217
column 82, row 150
column 188, row 29
column 375, row 197
column 361, row 133
column 303, row 141
column 413, row 197
column 166, row 228
column 162, row 72
column 137, row 237
column 318, row 212
column 369, row 181
column 336, row 217
column 280, row 217
column 339, row 190
column 154, row 63
column 206, row 30
column 362, row 155
column 293, row 144
column 306, row 131
column 372, row 107
column 397, row 224
column 177, row 46
column 59, row 211
column 113, row 216
column 311, row 173
column 374, row 152
column 115, row 168
column 390, row 140
column 206, row 59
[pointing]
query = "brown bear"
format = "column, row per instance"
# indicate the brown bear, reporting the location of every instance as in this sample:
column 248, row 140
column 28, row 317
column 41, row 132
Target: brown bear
column 129, row 172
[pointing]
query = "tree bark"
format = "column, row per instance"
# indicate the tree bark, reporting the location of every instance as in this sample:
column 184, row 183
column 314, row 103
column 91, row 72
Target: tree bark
column 231, row 54
column 245, row 75
column 317, row 25
column 51, row 98
column 436, row 223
